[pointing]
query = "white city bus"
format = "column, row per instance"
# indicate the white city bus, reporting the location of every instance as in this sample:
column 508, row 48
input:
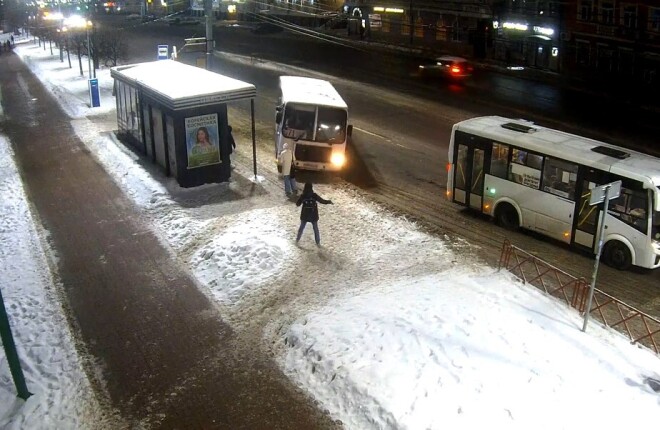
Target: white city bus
column 313, row 118
column 529, row 176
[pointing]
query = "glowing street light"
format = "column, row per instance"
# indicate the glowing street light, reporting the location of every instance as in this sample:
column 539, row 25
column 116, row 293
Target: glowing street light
column 77, row 21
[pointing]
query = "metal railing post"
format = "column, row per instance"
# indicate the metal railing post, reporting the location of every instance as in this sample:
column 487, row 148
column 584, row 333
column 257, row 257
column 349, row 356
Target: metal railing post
column 12, row 354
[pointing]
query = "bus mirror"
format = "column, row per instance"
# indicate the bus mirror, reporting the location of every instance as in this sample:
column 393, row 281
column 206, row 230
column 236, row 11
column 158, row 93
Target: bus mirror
column 349, row 130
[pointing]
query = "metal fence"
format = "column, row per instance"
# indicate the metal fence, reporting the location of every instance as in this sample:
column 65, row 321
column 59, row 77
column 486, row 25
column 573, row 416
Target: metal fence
column 640, row 328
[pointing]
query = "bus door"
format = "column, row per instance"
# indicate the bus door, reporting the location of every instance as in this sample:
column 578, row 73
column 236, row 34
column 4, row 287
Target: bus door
column 471, row 155
column 586, row 218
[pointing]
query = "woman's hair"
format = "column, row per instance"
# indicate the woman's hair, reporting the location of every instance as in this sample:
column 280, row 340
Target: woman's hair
column 308, row 188
column 206, row 134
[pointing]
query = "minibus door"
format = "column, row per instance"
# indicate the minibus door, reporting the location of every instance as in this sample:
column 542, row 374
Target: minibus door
column 279, row 119
column 469, row 175
column 586, row 218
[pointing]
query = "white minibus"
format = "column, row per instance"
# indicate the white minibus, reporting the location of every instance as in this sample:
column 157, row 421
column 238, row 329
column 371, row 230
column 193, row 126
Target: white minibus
column 313, row 118
column 529, row 176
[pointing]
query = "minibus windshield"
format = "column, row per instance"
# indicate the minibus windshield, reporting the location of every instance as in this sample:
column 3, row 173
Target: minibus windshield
column 299, row 123
column 331, row 127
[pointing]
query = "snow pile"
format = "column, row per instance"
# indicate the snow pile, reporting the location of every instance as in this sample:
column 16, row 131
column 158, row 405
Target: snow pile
column 461, row 351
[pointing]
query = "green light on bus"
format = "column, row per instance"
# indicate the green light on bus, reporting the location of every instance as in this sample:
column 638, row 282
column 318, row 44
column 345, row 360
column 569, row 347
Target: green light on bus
column 493, row 190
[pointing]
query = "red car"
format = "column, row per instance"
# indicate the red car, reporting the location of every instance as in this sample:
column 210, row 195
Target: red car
column 448, row 67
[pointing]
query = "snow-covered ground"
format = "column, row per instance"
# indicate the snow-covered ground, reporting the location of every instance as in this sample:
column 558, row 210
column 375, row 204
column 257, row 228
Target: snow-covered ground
column 381, row 325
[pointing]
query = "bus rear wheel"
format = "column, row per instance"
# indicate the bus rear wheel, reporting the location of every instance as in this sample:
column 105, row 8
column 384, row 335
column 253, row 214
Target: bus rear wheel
column 507, row 216
column 617, row 255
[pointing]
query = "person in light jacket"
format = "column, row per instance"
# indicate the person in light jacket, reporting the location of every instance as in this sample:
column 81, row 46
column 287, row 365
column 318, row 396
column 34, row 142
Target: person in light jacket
column 286, row 161
column 310, row 211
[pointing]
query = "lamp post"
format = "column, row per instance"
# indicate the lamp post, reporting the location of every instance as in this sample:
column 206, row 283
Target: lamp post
column 412, row 23
column 89, row 51
column 59, row 40
column 68, row 52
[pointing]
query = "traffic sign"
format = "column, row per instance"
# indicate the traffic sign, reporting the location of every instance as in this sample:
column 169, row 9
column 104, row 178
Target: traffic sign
column 163, row 52
column 598, row 192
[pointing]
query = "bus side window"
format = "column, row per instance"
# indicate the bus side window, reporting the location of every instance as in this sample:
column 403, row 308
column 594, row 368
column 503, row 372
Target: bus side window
column 519, row 156
column 534, row 161
column 631, row 208
column 499, row 160
column 559, row 177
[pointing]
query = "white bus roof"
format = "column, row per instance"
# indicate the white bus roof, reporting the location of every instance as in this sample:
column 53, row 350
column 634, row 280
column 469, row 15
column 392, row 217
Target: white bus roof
column 312, row 91
column 642, row 167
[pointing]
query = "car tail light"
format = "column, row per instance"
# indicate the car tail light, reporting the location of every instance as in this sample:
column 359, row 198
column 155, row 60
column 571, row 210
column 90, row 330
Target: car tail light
column 455, row 69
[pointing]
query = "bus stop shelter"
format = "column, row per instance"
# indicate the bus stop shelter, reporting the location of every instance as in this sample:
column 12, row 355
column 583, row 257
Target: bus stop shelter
column 176, row 114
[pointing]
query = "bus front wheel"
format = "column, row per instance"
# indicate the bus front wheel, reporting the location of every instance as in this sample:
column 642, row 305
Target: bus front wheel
column 617, row 255
column 507, row 216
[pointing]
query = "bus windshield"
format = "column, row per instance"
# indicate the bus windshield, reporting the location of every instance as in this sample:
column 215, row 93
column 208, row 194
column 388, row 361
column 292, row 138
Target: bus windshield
column 655, row 227
column 299, row 121
column 331, row 126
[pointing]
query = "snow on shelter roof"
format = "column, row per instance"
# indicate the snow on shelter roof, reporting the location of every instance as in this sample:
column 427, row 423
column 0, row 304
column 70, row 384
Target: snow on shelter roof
column 298, row 89
column 181, row 86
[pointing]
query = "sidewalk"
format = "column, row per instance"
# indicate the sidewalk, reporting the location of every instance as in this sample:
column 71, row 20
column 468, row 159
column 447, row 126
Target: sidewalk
column 166, row 359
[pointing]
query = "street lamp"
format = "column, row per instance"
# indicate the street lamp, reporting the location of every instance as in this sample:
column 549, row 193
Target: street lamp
column 89, row 51
column 53, row 18
column 80, row 22
column 59, row 41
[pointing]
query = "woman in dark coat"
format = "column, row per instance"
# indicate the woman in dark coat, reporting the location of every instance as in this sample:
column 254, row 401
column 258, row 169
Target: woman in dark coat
column 310, row 211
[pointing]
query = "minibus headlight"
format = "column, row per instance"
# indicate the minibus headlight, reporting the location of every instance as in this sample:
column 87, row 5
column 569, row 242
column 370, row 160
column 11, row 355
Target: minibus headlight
column 338, row 159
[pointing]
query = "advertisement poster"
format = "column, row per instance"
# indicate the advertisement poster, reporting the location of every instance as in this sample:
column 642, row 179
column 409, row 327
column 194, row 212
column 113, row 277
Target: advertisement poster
column 202, row 140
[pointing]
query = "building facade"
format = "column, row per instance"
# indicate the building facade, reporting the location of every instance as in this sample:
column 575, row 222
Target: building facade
column 527, row 33
column 614, row 40
column 459, row 27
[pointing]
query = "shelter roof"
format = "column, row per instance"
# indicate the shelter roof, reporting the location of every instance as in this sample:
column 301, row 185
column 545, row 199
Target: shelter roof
column 182, row 86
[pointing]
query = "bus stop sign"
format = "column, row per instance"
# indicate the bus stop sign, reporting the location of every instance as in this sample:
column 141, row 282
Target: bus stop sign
column 601, row 193
column 598, row 192
column 163, row 52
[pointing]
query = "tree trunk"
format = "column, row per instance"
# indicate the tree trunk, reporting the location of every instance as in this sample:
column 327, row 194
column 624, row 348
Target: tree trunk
column 80, row 60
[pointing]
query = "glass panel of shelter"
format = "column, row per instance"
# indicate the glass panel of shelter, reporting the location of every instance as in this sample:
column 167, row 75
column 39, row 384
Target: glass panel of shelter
column 121, row 107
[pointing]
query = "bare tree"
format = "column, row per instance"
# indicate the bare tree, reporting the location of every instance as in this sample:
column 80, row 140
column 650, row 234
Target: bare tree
column 112, row 47
column 15, row 12
column 77, row 42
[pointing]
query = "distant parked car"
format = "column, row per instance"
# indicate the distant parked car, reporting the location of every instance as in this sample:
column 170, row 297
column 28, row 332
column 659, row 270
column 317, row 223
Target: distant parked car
column 446, row 67
column 134, row 16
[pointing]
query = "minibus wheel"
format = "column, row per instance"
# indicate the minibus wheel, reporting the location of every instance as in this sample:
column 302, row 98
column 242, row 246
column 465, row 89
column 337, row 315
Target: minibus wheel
column 617, row 255
column 507, row 216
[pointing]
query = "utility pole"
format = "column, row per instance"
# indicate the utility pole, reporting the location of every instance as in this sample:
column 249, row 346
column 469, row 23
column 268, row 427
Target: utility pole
column 412, row 23
column 89, row 52
column 208, row 11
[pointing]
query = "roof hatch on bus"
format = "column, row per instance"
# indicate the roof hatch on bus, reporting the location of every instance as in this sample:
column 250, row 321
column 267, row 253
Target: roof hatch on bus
column 612, row 152
column 518, row 127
